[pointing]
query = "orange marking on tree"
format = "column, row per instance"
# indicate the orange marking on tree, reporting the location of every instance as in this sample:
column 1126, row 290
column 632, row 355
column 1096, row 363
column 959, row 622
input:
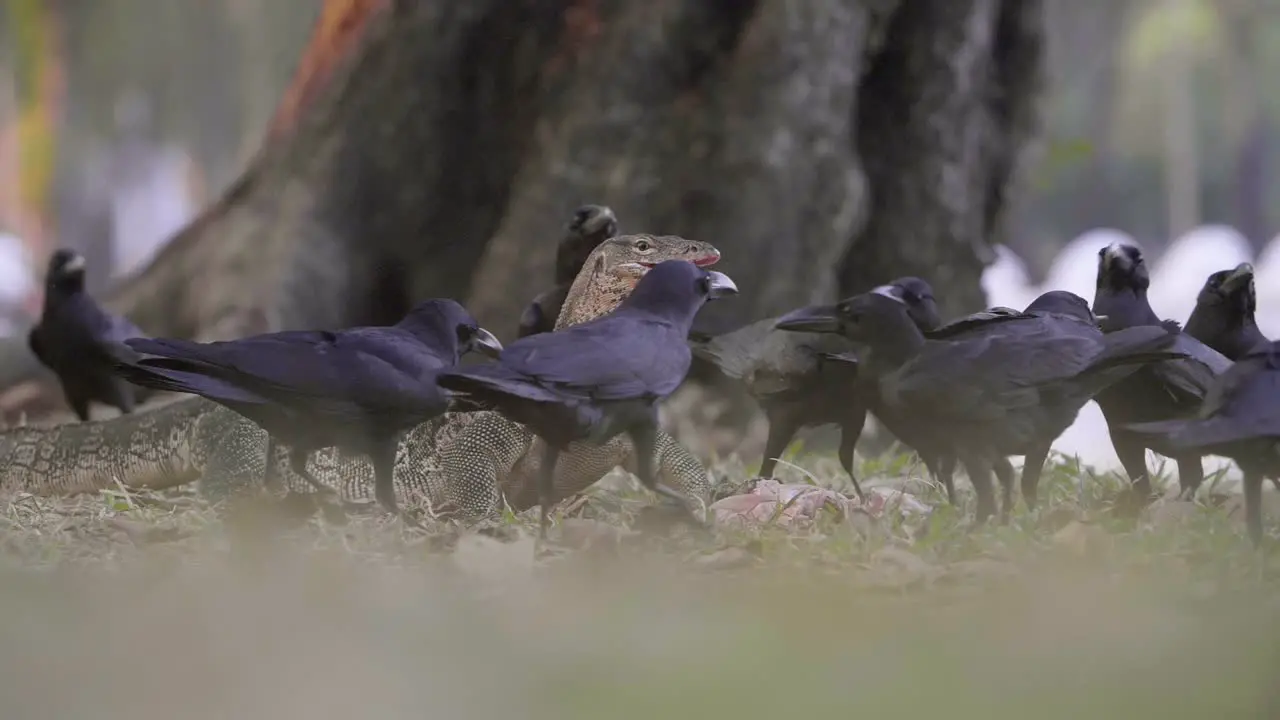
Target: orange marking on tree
column 341, row 24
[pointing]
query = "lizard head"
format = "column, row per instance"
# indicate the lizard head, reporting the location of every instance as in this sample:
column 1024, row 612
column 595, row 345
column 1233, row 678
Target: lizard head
column 632, row 256
column 617, row 264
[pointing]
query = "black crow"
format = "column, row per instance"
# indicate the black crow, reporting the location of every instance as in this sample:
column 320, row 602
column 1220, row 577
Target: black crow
column 592, row 381
column 800, row 379
column 1223, row 317
column 988, row 393
column 590, row 226
column 1163, row 391
column 358, row 389
column 1239, row 419
column 1067, row 313
column 74, row 336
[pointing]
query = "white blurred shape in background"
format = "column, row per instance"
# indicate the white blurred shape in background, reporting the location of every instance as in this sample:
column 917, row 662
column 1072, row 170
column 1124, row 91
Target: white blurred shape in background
column 1006, row 281
column 17, row 284
column 1178, row 275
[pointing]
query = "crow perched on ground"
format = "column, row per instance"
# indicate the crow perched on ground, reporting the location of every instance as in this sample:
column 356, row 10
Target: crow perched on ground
column 992, row 391
column 797, row 382
column 1240, row 419
column 590, row 226
column 1068, row 314
column 73, row 338
column 1223, row 317
column 592, row 381
column 358, row 388
column 1163, row 391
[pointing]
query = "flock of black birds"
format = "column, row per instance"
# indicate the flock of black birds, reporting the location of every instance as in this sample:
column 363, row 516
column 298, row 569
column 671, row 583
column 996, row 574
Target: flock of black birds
column 976, row 390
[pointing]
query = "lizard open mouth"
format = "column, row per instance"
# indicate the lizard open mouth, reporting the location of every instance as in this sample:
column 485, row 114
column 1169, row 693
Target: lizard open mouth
column 707, row 260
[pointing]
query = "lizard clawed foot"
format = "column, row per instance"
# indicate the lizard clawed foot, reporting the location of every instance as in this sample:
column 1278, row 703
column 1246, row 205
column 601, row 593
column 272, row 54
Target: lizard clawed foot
column 408, row 518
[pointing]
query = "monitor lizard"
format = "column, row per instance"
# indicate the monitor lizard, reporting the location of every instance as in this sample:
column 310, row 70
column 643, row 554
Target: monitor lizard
column 458, row 464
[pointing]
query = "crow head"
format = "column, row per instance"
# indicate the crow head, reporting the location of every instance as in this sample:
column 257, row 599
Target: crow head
column 915, row 296
column 677, row 289
column 921, row 306
column 1232, row 290
column 1121, row 267
column 441, row 322
column 881, row 315
column 66, row 271
column 590, row 226
column 597, row 220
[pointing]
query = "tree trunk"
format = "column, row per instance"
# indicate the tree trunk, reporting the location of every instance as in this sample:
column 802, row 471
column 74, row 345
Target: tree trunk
column 437, row 149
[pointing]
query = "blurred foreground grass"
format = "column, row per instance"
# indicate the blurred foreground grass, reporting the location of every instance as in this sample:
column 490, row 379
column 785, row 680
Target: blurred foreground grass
column 118, row 608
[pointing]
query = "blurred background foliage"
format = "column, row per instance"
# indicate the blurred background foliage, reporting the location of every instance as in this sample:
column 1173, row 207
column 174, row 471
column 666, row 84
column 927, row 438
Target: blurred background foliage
column 1155, row 120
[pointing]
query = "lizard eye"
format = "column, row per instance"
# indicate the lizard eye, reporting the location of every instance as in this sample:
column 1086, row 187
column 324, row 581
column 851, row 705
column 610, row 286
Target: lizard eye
column 643, row 245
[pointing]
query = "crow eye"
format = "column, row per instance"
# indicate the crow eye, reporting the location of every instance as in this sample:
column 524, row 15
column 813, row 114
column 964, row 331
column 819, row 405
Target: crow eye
column 643, row 245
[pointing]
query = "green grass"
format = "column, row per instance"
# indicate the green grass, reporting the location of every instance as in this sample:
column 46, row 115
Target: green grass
column 133, row 606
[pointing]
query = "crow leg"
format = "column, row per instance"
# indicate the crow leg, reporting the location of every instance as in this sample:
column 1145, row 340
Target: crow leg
column 1133, row 456
column 782, row 428
column 644, row 440
column 980, row 476
column 1032, row 466
column 850, row 431
column 270, row 474
column 1190, row 475
column 298, row 462
column 1004, row 473
column 943, row 469
column 79, row 405
column 546, row 487
column 119, row 394
column 1253, row 506
column 383, row 459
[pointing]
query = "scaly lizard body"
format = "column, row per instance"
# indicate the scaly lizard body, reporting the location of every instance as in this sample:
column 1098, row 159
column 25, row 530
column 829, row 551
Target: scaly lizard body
column 463, row 463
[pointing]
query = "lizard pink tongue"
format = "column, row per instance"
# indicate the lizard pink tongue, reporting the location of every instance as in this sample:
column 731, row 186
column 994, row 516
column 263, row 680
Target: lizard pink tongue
column 700, row 261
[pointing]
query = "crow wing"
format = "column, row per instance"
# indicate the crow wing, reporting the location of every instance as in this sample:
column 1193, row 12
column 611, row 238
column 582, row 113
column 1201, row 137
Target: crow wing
column 329, row 372
column 985, row 376
column 618, row 357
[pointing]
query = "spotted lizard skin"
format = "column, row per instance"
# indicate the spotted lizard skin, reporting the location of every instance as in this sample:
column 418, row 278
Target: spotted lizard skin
column 467, row 465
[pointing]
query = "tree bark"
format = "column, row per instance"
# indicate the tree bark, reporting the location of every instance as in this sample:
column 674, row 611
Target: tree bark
column 437, row 148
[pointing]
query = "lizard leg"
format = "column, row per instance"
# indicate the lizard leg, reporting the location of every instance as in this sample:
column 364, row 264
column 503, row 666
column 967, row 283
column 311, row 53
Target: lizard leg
column 546, row 487
column 644, row 438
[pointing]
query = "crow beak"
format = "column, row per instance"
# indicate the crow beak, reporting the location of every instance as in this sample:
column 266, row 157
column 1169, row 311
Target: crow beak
column 815, row 318
column 720, row 285
column 1115, row 256
column 1240, row 277
column 848, row 359
column 484, row 341
column 75, row 264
